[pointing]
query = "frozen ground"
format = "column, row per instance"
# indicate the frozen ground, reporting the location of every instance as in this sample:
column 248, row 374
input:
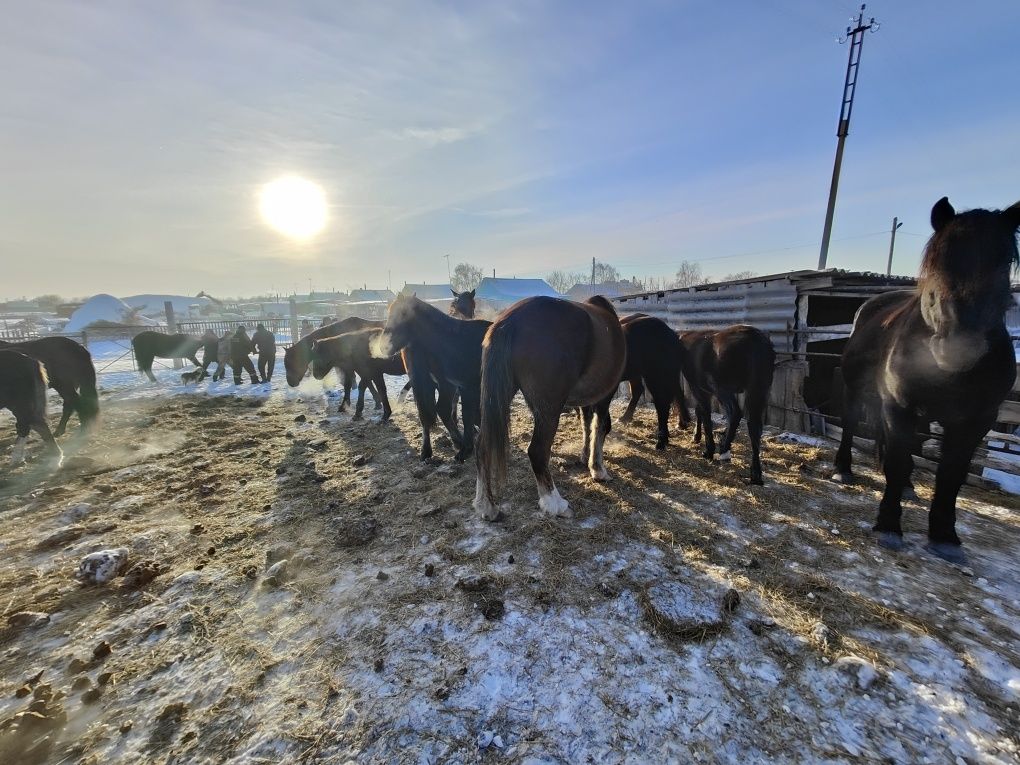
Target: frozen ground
column 403, row 629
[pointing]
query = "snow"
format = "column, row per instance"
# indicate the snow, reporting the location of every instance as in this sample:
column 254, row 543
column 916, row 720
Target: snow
column 152, row 305
column 1008, row 482
column 800, row 438
column 104, row 307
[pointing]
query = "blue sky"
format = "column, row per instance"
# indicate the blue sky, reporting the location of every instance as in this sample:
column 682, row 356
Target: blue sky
column 521, row 136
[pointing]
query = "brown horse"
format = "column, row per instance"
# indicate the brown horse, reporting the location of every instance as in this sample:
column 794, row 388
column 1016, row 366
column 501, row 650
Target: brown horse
column 724, row 363
column 298, row 356
column 942, row 351
column 149, row 345
column 71, row 374
column 353, row 351
column 23, row 391
column 558, row 354
column 463, row 304
column 656, row 358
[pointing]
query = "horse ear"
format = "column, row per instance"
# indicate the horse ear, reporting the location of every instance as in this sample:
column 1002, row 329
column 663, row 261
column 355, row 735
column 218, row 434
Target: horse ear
column 1012, row 215
column 471, row 294
column 942, row 213
column 454, row 292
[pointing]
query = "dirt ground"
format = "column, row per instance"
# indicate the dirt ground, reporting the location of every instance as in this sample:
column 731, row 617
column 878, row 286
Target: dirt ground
column 681, row 615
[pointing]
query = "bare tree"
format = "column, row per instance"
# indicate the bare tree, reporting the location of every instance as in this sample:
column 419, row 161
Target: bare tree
column 605, row 273
column 561, row 281
column 739, row 275
column 688, row 275
column 466, row 277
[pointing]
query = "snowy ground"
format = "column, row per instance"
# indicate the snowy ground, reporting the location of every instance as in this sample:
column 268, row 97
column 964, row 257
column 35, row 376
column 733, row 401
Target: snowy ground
column 403, row 629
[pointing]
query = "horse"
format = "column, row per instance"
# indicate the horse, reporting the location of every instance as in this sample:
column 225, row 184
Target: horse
column 724, row 363
column 71, row 374
column 463, row 304
column 941, row 350
column 298, row 356
column 23, row 391
column 445, row 357
column 557, row 353
column 353, row 350
column 656, row 356
column 149, row 345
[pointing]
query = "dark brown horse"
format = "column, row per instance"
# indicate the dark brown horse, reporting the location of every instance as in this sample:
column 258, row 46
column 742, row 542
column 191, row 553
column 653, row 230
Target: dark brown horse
column 942, row 350
column 445, row 358
column 558, row 354
column 463, row 304
column 298, row 356
column 725, row 363
column 655, row 358
column 149, row 345
column 23, row 391
column 71, row 374
column 353, row 351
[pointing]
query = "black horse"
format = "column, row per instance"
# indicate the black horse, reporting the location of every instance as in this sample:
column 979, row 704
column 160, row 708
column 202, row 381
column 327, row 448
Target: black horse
column 445, row 357
column 71, row 374
column 23, row 391
column 298, row 356
column 942, row 350
column 149, row 345
column 655, row 358
column 463, row 304
column 558, row 354
column 353, row 350
column 725, row 363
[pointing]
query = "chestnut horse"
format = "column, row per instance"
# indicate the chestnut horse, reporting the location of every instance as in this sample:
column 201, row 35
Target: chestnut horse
column 725, row 363
column 558, row 354
column 352, row 350
column 942, row 350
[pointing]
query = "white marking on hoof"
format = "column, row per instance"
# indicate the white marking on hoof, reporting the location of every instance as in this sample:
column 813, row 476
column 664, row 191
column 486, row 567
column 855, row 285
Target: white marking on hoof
column 58, row 459
column 482, row 505
column 601, row 475
column 553, row 504
column 725, row 456
column 18, row 455
column 842, row 477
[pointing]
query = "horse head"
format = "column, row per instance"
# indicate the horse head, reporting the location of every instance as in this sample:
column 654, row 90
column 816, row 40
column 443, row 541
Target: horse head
column 463, row 304
column 296, row 359
column 396, row 334
column 964, row 280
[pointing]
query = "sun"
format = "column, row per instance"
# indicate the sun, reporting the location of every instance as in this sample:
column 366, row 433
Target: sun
column 294, row 206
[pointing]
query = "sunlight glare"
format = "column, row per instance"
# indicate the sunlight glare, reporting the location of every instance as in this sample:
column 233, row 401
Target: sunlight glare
column 294, row 206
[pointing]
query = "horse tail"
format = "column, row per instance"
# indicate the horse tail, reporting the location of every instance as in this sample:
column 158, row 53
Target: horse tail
column 497, row 393
column 88, row 396
column 142, row 358
column 682, row 370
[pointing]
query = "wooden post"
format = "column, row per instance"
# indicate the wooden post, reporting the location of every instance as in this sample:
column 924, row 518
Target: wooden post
column 171, row 328
column 295, row 332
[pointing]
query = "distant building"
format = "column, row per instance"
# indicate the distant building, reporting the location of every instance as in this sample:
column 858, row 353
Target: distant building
column 499, row 294
column 428, row 292
column 361, row 296
column 581, row 292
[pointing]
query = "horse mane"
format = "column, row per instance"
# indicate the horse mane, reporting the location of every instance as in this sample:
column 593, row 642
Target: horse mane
column 959, row 255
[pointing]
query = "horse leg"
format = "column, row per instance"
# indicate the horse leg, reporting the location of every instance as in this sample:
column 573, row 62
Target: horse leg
column 898, row 425
column 585, row 414
column 601, row 428
column 546, row 424
column 958, row 445
column 402, row 396
column 637, row 389
column 446, row 407
column 362, row 386
column 733, row 415
column 380, row 385
column 70, row 401
column 39, row 426
column 851, row 416
column 703, row 412
column 348, row 382
column 755, row 415
column 23, row 424
column 471, row 407
column 146, row 365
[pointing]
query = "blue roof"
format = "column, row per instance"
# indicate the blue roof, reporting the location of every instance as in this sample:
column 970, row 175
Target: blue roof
column 512, row 290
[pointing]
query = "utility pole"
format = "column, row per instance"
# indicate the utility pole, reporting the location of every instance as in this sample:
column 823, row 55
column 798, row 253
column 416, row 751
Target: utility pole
column 448, row 277
column 856, row 38
column 593, row 276
column 896, row 223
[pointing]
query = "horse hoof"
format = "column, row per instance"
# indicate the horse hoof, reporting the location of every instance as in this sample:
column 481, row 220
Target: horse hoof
column 707, row 455
column 725, row 456
column 756, row 481
column 661, row 445
column 948, row 552
column 602, row 476
column 890, row 540
column 356, row 417
column 910, row 494
column 553, row 504
column 843, row 478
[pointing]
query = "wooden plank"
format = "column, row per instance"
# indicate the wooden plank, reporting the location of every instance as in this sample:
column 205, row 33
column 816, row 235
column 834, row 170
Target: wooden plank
column 1010, row 412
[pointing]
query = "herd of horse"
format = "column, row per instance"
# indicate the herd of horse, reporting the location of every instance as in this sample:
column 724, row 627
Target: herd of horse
column 939, row 352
